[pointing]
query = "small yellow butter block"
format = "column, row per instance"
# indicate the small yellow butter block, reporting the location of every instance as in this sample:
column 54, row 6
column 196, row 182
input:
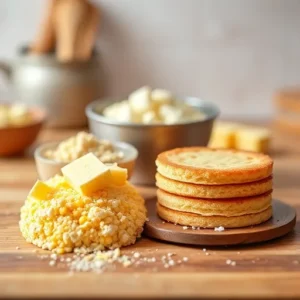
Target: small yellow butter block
column 87, row 174
column 253, row 139
column 118, row 175
column 223, row 135
column 40, row 191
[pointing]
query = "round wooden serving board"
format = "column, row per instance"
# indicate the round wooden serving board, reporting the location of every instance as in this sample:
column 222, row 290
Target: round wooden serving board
column 282, row 222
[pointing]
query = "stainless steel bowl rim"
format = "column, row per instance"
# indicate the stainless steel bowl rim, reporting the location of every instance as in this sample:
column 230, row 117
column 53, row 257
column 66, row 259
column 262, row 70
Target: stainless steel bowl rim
column 102, row 103
column 38, row 153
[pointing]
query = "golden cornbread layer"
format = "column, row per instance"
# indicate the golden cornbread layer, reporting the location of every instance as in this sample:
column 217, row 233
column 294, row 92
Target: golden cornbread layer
column 111, row 218
column 214, row 191
column 212, row 207
column 191, row 219
column 213, row 166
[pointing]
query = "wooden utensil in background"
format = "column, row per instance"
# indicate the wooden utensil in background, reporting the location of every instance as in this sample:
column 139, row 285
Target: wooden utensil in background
column 45, row 40
column 69, row 26
column 86, row 35
column 68, row 17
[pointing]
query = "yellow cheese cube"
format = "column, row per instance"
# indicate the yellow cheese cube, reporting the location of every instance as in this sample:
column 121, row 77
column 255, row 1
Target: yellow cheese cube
column 252, row 139
column 40, row 191
column 223, row 135
column 118, row 175
column 87, row 174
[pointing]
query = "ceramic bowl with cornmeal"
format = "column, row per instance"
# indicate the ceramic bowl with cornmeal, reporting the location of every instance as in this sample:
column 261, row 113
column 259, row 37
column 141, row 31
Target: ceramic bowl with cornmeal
column 49, row 162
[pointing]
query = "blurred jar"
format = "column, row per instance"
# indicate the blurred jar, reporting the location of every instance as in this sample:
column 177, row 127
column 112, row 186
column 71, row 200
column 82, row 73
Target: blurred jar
column 63, row 90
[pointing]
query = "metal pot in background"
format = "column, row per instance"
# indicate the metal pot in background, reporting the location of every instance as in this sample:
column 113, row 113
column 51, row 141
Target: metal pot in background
column 63, row 90
column 152, row 139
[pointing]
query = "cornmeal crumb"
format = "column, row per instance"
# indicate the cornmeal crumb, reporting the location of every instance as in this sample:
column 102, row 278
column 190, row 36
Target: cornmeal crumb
column 136, row 255
column 220, row 228
column 52, row 263
column 171, row 262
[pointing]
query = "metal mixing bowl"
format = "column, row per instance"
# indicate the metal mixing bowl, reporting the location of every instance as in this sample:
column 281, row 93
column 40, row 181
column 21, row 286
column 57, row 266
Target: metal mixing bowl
column 150, row 140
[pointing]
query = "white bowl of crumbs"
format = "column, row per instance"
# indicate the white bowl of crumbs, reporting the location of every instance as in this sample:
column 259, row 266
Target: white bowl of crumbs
column 51, row 157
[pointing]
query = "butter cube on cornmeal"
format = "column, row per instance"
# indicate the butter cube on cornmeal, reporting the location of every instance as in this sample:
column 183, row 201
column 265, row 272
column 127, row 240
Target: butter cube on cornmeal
column 87, row 174
column 40, row 191
column 118, row 175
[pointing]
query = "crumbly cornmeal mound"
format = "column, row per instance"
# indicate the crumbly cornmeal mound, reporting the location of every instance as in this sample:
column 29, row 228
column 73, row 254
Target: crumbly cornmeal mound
column 110, row 218
column 81, row 144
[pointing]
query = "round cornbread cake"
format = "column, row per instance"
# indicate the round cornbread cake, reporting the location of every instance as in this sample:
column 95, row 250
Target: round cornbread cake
column 203, row 165
column 213, row 191
column 215, row 207
column 191, row 219
column 110, row 218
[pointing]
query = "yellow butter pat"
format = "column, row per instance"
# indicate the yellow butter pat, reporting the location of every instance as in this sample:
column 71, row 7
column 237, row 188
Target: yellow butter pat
column 87, row 174
column 118, row 175
column 253, row 139
column 40, row 191
column 223, row 135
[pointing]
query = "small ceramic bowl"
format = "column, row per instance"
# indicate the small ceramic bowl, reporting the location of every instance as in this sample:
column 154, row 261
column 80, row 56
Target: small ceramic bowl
column 48, row 167
column 14, row 140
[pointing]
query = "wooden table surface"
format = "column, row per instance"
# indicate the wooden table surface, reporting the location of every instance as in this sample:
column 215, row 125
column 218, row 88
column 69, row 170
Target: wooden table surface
column 267, row 270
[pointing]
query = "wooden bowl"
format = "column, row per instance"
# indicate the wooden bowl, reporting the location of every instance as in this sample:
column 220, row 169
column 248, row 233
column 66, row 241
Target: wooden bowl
column 14, row 140
column 48, row 168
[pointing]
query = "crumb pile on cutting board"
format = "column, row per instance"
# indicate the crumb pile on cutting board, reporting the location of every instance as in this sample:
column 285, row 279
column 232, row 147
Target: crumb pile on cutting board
column 95, row 208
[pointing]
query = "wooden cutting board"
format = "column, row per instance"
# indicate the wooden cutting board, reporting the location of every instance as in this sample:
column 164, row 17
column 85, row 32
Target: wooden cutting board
column 267, row 270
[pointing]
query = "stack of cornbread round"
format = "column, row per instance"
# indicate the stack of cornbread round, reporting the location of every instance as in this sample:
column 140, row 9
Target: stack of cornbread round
column 210, row 188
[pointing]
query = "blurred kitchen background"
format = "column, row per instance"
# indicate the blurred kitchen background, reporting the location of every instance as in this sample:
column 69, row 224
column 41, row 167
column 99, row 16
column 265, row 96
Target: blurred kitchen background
column 236, row 53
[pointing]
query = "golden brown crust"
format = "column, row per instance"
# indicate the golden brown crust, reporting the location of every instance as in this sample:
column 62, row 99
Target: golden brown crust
column 213, row 191
column 213, row 207
column 191, row 219
column 242, row 166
